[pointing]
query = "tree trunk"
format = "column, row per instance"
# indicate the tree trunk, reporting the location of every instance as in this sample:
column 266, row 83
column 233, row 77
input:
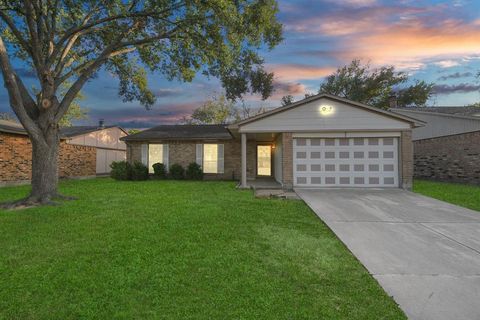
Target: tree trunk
column 45, row 167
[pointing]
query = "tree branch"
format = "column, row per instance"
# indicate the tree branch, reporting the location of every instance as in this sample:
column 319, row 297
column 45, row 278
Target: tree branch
column 16, row 32
column 36, row 46
column 16, row 101
column 72, row 31
column 96, row 64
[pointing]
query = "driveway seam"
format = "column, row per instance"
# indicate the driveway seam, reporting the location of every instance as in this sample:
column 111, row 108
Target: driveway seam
column 450, row 238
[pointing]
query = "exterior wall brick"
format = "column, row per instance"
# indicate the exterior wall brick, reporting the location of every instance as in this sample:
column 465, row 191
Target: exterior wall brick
column 16, row 159
column 287, row 160
column 184, row 153
column 454, row 158
column 406, row 154
column 76, row 161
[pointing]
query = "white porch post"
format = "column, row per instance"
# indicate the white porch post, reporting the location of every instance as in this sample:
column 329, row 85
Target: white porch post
column 244, row 161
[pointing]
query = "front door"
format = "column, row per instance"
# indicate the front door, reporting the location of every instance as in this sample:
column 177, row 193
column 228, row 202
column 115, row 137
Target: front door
column 264, row 160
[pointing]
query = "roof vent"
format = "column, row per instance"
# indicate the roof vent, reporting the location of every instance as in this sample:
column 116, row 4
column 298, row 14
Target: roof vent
column 101, row 123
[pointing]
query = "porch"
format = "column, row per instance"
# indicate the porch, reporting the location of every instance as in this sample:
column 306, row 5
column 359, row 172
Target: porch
column 263, row 164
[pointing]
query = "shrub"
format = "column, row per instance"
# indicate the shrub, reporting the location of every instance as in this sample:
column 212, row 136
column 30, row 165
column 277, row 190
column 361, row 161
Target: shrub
column 121, row 170
column 139, row 171
column 194, row 172
column 159, row 170
column 176, row 171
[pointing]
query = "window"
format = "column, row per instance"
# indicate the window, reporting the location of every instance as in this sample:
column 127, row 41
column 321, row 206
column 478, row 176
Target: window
column 210, row 158
column 155, row 155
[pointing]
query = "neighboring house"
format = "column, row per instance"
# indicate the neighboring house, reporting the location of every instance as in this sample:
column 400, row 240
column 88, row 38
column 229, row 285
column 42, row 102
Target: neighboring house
column 105, row 139
column 447, row 148
column 84, row 151
column 321, row 141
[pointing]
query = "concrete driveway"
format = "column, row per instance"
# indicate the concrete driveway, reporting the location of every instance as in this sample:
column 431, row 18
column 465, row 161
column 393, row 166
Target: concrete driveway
column 423, row 252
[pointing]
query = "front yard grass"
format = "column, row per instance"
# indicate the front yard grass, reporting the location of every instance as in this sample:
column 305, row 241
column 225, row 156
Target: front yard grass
column 177, row 250
column 467, row 196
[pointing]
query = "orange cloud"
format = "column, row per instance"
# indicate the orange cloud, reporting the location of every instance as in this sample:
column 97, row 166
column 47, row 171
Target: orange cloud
column 295, row 72
column 408, row 37
column 417, row 42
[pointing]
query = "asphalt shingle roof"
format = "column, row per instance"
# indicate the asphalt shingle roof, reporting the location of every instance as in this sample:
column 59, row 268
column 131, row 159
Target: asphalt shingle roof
column 11, row 127
column 66, row 132
column 182, row 132
column 79, row 130
column 459, row 111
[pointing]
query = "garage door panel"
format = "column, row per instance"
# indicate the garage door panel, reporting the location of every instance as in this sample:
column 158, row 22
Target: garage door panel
column 357, row 162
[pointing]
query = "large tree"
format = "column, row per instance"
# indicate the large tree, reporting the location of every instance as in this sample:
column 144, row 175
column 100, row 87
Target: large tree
column 376, row 86
column 70, row 41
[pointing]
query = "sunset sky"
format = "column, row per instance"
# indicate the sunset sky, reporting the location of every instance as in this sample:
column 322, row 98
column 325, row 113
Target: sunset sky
column 436, row 41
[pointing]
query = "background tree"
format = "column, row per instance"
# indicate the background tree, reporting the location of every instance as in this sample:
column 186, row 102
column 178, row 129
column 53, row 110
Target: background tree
column 75, row 111
column 8, row 117
column 67, row 40
column 245, row 111
column 286, row 100
column 375, row 86
column 133, row 131
column 220, row 110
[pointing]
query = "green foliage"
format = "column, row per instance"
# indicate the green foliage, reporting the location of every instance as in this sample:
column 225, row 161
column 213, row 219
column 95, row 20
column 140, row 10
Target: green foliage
column 139, row 171
column 133, row 131
column 159, row 170
column 416, row 94
column 218, row 110
column 286, row 100
column 176, row 171
column 177, row 39
column 375, row 87
column 194, row 172
column 75, row 111
column 121, row 170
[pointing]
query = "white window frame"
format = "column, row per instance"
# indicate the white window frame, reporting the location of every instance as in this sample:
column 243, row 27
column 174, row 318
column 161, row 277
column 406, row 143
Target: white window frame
column 200, row 157
column 145, row 151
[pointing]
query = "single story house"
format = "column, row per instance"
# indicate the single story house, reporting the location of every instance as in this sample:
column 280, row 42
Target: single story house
column 320, row 141
column 85, row 151
column 447, row 147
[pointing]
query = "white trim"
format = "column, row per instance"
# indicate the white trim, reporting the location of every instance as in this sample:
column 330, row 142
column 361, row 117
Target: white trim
column 220, row 159
column 144, row 152
column 166, row 156
column 324, row 131
column 244, row 160
column 348, row 134
column 199, row 154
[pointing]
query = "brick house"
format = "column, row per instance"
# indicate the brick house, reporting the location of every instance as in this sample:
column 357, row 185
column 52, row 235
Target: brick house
column 447, row 147
column 320, row 141
column 84, row 151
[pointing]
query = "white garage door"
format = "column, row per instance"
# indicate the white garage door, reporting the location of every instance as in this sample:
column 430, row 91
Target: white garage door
column 345, row 162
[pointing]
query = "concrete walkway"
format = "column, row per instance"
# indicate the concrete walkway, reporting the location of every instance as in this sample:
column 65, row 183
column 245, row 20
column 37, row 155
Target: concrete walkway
column 423, row 252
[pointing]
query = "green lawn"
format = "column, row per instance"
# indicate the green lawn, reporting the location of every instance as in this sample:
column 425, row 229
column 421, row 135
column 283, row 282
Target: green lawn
column 177, row 250
column 460, row 194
